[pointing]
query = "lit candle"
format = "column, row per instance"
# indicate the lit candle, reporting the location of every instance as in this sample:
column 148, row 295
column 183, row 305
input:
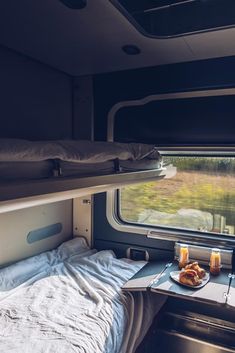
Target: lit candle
column 183, row 255
column 215, row 261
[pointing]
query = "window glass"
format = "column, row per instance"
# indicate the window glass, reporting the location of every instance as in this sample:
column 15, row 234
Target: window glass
column 200, row 197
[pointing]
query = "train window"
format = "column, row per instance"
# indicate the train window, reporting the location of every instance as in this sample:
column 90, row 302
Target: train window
column 199, row 198
column 167, row 18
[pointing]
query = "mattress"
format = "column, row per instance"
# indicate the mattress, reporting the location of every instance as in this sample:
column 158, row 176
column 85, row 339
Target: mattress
column 21, row 159
column 69, row 300
column 56, row 168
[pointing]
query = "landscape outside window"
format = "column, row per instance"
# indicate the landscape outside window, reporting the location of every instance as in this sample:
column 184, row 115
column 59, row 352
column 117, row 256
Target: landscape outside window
column 200, row 197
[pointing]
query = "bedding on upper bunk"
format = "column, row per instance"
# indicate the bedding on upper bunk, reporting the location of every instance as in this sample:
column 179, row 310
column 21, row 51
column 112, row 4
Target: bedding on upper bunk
column 69, row 300
column 13, row 150
column 21, row 159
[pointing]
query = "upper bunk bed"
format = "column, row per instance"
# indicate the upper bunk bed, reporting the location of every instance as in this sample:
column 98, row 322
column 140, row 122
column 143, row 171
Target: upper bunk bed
column 38, row 172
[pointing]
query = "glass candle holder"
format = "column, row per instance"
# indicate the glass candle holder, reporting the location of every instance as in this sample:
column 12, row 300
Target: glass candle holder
column 183, row 255
column 215, row 261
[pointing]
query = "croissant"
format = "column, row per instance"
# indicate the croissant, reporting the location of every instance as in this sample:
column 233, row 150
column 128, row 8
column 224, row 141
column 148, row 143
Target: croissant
column 194, row 266
column 189, row 277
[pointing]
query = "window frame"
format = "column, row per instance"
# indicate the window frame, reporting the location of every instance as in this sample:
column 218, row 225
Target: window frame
column 158, row 233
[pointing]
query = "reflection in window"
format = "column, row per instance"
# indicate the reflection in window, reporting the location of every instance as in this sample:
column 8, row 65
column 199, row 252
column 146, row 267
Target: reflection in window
column 201, row 197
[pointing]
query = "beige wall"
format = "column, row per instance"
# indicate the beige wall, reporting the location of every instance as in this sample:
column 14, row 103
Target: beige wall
column 15, row 227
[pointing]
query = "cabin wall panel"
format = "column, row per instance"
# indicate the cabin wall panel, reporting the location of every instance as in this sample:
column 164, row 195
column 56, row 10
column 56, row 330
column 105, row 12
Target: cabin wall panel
column 83, row 108
column 15, row 240
column 36, row 100
column 136, row 84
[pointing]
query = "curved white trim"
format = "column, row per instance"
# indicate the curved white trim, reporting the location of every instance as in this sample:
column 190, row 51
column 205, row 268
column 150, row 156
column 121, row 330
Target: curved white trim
column 159, row 97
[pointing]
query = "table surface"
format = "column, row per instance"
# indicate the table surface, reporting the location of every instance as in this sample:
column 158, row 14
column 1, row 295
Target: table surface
column 219, row 290
column 214, row 291
column 231, row 294
column 143, row 278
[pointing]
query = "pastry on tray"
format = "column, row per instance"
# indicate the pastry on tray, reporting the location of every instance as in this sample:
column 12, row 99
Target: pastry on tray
column 194, row 266
column 189, row 277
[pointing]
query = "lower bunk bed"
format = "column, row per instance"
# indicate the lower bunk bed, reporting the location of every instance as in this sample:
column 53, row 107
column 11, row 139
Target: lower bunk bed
column 69, row 300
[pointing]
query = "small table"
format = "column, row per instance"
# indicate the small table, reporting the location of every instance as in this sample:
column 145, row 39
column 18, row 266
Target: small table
column 231, row 293
column 214, row 291
column 217, row 291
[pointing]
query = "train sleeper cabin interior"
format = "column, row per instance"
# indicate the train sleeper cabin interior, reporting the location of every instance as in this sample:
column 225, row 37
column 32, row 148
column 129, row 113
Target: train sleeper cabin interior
column 117, row 176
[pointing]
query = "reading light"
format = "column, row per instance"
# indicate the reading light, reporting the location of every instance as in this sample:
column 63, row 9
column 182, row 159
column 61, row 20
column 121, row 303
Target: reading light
column 131, row 49
column 75, row 4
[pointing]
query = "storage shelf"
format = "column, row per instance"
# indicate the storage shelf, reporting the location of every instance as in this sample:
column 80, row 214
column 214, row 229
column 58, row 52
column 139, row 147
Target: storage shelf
column 22, row 194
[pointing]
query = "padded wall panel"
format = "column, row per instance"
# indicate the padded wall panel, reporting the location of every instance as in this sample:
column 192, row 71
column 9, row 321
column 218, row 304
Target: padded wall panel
column 16, row 226
column 36, row 101
column 121, row 250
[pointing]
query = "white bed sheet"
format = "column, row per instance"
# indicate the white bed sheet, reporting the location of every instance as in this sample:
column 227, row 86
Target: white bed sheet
column 69, row 300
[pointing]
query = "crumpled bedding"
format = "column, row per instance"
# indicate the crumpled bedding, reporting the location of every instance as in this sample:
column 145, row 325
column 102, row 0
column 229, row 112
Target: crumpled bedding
column 14, row 150
column 69, row 300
